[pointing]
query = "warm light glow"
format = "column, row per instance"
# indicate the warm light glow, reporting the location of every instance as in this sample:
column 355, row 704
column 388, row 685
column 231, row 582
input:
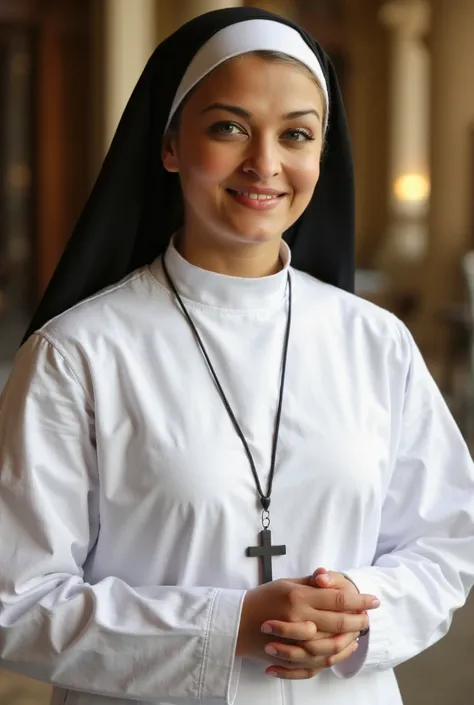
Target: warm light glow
column 412, row 187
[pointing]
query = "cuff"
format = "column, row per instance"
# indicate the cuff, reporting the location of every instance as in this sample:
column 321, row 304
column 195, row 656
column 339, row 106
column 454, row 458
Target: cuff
column 221, row 668
column 374, row 647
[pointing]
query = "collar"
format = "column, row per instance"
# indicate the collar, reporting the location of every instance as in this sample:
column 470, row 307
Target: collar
column 220, row 290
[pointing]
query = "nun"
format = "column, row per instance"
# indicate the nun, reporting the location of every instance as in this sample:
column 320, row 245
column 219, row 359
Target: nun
column 225, row 479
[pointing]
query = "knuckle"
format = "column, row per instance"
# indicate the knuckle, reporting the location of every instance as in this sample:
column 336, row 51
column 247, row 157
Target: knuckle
column 310, row 630
column 294, row 596
column 341, row 624
column 295, row 599
column 340, row 600
column 315, row 647
column 293, row 616
column 291, row 655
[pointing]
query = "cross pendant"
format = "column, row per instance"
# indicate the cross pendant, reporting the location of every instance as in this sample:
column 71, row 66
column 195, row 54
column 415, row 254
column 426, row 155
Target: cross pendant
column 265, row 552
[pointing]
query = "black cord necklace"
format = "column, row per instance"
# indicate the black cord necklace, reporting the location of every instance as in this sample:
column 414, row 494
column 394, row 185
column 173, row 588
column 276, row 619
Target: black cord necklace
column 266, row 550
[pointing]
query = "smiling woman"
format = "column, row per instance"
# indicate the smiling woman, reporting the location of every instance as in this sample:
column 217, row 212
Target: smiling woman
column 195, row 374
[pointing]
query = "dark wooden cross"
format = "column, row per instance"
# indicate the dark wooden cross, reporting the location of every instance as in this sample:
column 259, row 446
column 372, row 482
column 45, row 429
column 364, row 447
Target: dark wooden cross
column 265, row 552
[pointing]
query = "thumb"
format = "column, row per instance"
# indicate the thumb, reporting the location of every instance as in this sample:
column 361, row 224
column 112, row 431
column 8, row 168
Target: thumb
column 321, row 577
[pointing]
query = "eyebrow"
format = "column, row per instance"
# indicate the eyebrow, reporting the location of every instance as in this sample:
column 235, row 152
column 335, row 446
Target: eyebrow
column 241, row 112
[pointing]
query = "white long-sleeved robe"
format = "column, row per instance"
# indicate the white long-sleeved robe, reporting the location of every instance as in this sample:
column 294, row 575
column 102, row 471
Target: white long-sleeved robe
column 127, row 501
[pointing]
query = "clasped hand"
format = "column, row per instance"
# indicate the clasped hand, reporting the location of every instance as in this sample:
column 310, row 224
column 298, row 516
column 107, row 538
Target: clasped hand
column 316, row 622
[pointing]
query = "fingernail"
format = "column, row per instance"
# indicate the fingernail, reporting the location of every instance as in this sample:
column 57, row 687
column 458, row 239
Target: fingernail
column 271, row 651
column 272, row 673
column 324, row 579
column 266, row 629
column 355, row 647
column 375, row 603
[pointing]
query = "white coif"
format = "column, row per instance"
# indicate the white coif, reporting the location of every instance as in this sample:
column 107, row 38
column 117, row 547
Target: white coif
column 242, row 38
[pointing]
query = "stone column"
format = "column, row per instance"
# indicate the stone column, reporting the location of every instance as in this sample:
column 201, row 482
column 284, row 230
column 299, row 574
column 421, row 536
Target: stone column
column 452, row 159
column 409, row 173
column 130, row 38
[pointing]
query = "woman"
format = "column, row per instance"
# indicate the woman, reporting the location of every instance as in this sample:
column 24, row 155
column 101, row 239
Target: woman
column 150, row 432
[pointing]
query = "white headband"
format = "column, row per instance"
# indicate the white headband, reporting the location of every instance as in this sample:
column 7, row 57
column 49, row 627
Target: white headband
column 241, row 38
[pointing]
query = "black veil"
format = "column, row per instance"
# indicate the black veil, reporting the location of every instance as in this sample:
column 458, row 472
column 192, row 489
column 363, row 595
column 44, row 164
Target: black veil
column 134, row 206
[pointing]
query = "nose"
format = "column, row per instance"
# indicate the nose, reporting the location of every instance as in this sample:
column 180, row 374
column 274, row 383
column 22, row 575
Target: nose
column 262, row 159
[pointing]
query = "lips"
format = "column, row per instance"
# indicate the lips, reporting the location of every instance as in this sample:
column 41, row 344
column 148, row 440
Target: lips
column 256, row 195
column 257, row 201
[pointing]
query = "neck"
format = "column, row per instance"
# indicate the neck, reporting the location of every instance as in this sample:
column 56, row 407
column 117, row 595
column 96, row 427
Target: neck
column 248, row 260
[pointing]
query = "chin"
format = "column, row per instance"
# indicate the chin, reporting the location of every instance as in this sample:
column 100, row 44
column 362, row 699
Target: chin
column 250, row 233
column 257, row 238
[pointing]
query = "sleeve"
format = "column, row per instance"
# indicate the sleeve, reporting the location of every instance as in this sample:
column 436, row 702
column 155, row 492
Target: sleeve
column 423, row 568
column 145, row 643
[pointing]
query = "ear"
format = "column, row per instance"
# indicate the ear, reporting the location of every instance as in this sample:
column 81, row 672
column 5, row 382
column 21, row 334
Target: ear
column 169, row 152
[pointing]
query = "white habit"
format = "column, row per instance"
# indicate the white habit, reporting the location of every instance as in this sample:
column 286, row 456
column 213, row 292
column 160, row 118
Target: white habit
column 127, row 500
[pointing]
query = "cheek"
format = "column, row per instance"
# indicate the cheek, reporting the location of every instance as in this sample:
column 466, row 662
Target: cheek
column 207, row 166
column 305, row 175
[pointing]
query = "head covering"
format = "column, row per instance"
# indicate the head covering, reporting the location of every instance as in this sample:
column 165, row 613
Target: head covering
column 240, row 38
column 135, row 205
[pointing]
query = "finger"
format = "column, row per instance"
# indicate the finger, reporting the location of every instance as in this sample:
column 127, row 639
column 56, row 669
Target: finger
column 333, row 580
column 324, row 580
column 308, row 651
column 341, row 601
column 341, row 623
column 294, row 654
column 293, row 674
column 322, row 577
column 297, row 631
column 330, row 646
column 343, row 655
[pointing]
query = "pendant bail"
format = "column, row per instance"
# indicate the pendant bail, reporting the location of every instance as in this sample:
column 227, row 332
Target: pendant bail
column 265, row 502
column 265, row 519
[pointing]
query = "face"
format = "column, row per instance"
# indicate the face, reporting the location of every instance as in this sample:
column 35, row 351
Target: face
column 247, row 150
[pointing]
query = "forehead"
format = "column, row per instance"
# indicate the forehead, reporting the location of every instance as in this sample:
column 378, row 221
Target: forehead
column 251, row 78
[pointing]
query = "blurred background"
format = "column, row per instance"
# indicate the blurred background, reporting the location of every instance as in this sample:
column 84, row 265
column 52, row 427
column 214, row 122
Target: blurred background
column 67, row 68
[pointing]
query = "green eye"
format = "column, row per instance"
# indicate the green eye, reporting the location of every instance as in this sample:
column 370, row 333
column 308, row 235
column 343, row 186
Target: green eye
column 225, row 129
column 299, row 135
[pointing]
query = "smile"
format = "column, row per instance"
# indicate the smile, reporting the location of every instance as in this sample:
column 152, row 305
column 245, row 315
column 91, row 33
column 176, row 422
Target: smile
column 256, row 196
column 255, row 200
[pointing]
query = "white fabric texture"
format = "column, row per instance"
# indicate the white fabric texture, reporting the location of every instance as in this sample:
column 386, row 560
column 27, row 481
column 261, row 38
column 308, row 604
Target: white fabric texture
column 127, row 501
column 242, row 38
